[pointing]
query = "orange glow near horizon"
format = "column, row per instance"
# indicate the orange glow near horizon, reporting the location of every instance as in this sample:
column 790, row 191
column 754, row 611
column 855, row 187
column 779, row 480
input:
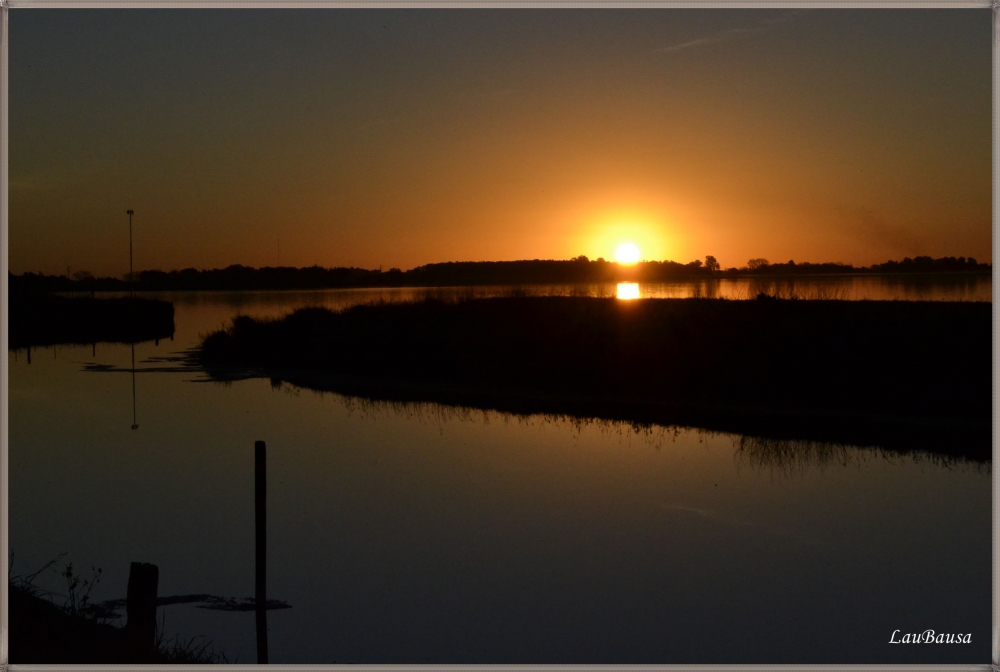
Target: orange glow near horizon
column 643, row 230
column 402, row 142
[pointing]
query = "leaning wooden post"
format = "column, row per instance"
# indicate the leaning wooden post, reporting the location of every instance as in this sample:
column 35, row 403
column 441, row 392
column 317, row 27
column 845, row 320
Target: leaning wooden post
column 140, row 607
column 260, row 515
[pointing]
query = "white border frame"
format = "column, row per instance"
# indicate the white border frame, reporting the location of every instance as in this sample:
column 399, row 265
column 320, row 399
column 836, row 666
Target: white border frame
column 6, row 5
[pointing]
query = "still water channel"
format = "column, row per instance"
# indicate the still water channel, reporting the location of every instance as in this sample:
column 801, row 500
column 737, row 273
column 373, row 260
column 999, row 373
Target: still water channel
column 428, row 534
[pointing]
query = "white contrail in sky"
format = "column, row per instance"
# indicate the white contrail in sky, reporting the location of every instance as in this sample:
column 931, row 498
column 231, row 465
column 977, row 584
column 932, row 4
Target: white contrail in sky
column 725, row 35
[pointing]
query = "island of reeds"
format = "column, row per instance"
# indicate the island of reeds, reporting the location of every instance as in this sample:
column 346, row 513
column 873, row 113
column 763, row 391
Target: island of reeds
column 901, row 375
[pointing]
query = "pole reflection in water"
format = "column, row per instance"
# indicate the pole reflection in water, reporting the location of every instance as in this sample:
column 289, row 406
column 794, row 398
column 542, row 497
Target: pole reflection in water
column 134, row 425
column 260, row 547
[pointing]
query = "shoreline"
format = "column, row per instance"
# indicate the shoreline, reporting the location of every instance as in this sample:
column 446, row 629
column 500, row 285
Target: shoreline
column 943, row 438
column 893, row 374
column 722, row 276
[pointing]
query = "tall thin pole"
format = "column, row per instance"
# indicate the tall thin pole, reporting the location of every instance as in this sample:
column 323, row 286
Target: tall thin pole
column 131, row 293
column 260, row 519
column 131, row 277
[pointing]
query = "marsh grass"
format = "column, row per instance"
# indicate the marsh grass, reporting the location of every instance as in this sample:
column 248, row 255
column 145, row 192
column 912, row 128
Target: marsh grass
column 791, row 457
column 78, row 630
column 179, row 651
column 828, row 370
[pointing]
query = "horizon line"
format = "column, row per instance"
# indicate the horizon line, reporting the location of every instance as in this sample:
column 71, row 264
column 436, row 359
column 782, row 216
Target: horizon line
column 697, row 264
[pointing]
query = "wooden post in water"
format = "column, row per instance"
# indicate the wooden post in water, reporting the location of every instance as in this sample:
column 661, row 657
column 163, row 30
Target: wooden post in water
column 140, row 607
column 260, row 520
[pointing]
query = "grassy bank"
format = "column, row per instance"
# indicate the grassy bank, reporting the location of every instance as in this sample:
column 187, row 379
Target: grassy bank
column 40, row 320
column 913, row 374
column 44, row 632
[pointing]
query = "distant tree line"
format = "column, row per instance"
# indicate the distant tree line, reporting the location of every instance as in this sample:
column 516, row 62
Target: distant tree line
column 536, row 271
column 907, row 265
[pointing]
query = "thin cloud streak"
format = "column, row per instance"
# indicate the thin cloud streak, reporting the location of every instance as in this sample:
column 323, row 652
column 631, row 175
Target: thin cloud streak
column 726, row 35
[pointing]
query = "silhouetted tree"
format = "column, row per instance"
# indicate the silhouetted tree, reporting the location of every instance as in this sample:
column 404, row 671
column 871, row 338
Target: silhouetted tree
column 711, row 263
column 86, row 279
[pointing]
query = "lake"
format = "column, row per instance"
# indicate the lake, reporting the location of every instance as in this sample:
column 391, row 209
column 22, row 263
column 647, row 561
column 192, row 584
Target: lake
column 416, row 533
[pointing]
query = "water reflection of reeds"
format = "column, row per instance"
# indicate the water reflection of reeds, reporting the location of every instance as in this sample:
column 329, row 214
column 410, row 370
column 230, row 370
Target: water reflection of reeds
column 789, row 457
column 780, row 457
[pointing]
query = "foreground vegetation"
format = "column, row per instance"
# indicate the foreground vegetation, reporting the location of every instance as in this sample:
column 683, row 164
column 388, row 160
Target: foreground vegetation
column 79, row 632
column 902, row 375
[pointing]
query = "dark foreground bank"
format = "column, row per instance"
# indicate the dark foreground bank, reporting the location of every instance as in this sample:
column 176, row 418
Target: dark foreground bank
column 44, row 632
column 40, row 320
column 902, row 375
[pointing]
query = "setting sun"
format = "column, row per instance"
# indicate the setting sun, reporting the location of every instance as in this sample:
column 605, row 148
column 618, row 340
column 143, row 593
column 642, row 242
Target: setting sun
column 627, row 253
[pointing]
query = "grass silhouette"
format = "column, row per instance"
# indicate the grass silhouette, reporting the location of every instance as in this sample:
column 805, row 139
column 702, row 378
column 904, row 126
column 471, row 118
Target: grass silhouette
column 857, row 372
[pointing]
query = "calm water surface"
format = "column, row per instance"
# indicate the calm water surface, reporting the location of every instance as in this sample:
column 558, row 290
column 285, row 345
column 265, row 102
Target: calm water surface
column 429, row 534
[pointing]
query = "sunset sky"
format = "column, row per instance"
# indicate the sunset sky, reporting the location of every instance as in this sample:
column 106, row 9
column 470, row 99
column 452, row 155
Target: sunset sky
column 404, row 137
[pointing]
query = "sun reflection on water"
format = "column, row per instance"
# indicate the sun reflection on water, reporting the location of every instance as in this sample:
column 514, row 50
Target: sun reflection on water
column 628, row 290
